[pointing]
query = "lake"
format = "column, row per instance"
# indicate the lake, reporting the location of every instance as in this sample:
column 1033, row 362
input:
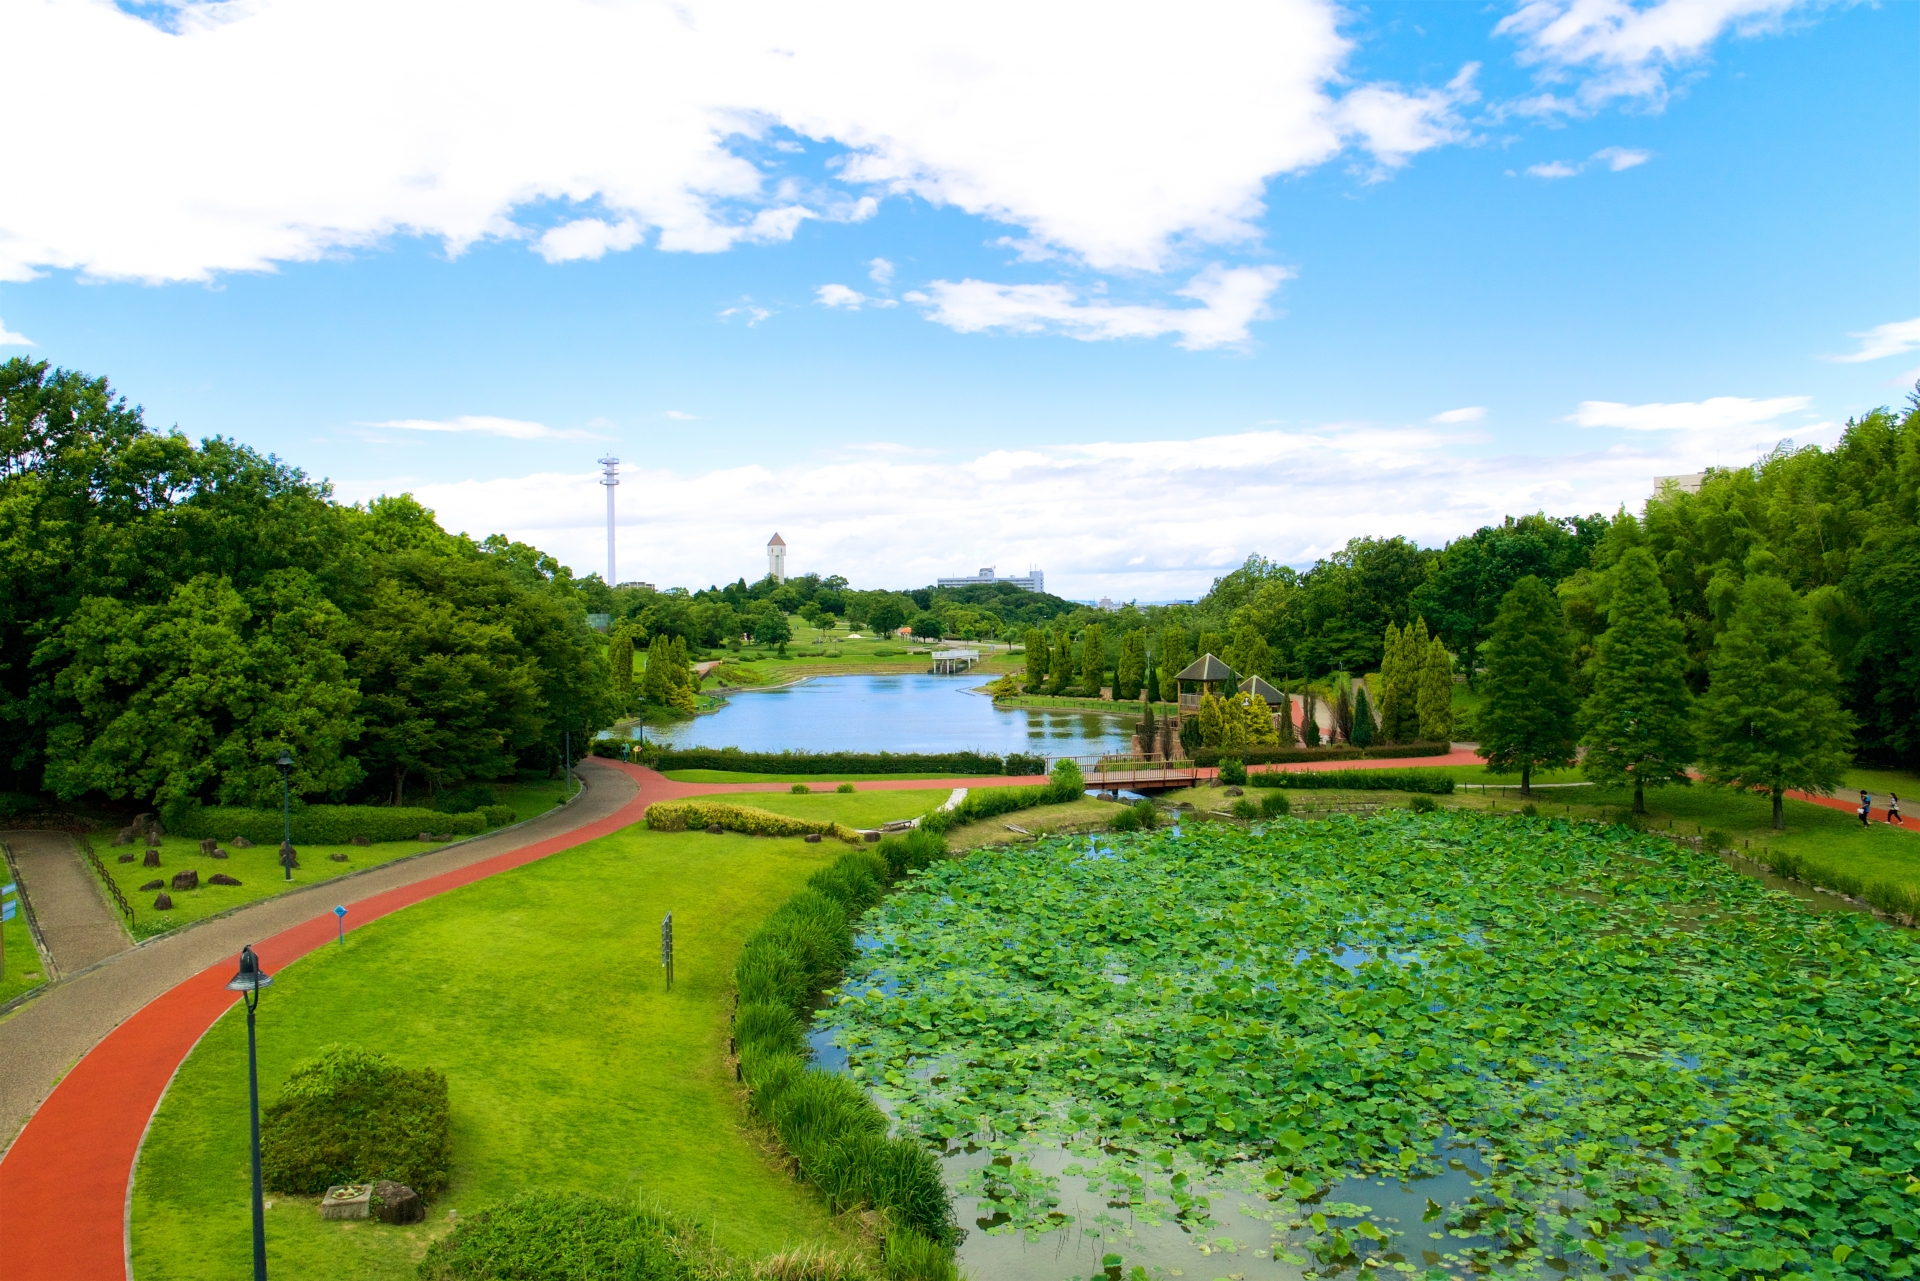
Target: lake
column 894, row 714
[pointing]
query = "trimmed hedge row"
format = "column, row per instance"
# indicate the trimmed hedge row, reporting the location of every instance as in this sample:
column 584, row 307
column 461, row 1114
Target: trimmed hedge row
column 329, row 824
column 1206, row 757
column 986, row 802
column 1361, row 780
column 348, row 1115
column 835, row 1133
column 574, row 1234
column 732, row 758
column 678, row 816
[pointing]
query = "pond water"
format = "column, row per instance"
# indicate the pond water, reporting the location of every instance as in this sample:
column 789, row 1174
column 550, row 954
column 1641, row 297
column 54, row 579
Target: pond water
column 893, row 714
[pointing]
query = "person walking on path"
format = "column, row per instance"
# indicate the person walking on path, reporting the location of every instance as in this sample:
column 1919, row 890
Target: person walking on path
column 1893, row 809
column 1866, row 807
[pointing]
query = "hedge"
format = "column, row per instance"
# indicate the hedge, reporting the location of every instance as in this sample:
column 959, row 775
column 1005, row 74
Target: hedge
column 732, row 758
column 836, row 1135
column 574, row 1234
column 986, row 802
column 678, row 816
column 1361, row 780
column 351, row 1116
column 328, row 824
column 1206, row 757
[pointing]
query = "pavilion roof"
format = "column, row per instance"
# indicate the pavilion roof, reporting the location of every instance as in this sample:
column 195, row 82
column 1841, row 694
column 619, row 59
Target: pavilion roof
column 1206, row 668
column 1255, row 685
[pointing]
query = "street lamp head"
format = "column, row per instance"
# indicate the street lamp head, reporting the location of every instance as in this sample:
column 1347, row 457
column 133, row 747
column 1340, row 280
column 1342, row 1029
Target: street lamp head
column 286, row 760
column 251, row 977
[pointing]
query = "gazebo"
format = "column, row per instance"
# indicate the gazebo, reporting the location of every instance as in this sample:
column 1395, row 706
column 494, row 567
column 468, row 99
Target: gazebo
column 1209, row 675
column 1257, row 685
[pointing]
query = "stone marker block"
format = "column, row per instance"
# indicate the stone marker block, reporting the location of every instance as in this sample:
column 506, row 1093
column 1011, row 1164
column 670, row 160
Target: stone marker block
column 217, row 852
column 813, row 838
column 153, row 885
column 127, row 857
column 873, row 836
column 360, row 840
column 221, row 878
column 242, row 843
column 346, row 1201
column 209, row 845
column 162, row 902
column 424, row 836
column 152, row 859
column 398, row 1203
column 187, row 880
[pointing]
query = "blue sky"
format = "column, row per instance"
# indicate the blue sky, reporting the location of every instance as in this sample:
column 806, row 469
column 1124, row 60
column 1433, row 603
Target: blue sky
column 1126, row 293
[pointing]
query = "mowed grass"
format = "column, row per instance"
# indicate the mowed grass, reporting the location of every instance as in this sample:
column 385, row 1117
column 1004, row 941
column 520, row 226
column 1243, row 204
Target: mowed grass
column 539, row 993
column 856, row 809
column 24, row 972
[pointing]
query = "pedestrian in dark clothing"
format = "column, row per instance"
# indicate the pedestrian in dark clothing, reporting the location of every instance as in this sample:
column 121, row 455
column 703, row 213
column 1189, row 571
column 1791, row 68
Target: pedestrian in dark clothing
column 1866, row 807
column 1893, row 809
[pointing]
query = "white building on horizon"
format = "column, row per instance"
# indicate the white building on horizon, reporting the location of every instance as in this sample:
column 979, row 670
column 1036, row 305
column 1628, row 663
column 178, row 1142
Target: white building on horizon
column 777, row 558
column 1033, row 580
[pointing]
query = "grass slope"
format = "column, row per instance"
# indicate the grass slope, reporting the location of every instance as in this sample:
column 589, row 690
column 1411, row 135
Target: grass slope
column 23, row 959
column 539, row 993
column 856, row 809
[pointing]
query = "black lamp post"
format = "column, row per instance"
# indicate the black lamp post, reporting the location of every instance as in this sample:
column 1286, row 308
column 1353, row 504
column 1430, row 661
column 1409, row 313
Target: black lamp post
column 248, row 983
column 286, row 810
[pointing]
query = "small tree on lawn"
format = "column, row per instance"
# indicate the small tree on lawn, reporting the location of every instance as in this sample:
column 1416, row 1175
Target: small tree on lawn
column 1213, row 720
column 1093, row 660
column 1361, row 735
column 656, row 683
column 1637, row 723
column 1436, row 694
column 1771, row 716
column 1038, row 652
column 1283, row 732
column 1528, row 720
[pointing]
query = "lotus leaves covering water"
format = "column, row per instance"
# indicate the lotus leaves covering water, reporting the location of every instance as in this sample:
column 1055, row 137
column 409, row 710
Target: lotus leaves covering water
column 1653, row 1064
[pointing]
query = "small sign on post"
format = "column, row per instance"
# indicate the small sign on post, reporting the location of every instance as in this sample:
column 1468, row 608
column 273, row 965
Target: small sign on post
column 9, row 907
column 340, row 921
column 666, row 948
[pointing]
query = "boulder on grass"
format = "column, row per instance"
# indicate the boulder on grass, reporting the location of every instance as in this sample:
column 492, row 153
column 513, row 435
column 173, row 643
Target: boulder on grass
column 398, row 1203
column 242, row 843
column 360, row 840
column 152, row 859
column 124, row 836
column 221, row 878
column 187, row 880
column 153, row 885
column 217, row 852
column 289, row 857
column 1234, row 791
column 338, row 858
column 208, row 845
column 127, row 857
column 424, row 836
column 872, row 836
column 714, row 829
column 813, row 838
column 162, row 903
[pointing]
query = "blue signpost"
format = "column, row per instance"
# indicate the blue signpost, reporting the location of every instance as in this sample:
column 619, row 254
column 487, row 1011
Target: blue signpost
column 9, row 907
column 340, row 920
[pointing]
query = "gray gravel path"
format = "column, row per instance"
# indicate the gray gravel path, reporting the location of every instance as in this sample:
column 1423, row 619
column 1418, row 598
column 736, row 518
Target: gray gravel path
column 48, row 1035
column 76, row 923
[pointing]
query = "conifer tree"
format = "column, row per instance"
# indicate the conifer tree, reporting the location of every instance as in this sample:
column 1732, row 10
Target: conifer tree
column 1309, row 726
column 1392, row 658
column 1212, row 720
column 620, row 666
column 1060, row 665
column 1361, row 735
column 1173, row 660
column 655, row 684
column 1093, row 660
column 680, row 673
column 1771, row 716
column 1132, row 667
column 1342, row 726
column 1213, row 643
column 1284, row 730
column 1258, row 715
column 1527, row 722
column 1038, row 652
column 1637, row 722
column 1436, row 694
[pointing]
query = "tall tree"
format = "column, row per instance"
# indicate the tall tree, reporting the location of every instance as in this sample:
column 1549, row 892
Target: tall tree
column 1132, row 667
column 1436, row 694
column 1038, row 652
column 1637, row 723
column 1361, row 735
column 1527, row 721
column 1060, row 669
column 1093, row 660
column 620, row 665
column 1388, row 690
column 1771, row 716
column 1174, row 658
column 1309, row 724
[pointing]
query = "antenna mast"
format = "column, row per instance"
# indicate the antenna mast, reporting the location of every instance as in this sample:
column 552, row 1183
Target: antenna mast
column 610, row 477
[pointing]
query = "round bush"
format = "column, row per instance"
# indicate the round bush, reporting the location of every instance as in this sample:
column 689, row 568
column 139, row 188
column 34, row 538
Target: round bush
column 351, row 1116
column 845, row 789
column 563, row 1236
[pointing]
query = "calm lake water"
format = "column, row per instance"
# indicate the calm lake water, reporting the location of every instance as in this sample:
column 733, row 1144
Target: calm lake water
column 893, row 714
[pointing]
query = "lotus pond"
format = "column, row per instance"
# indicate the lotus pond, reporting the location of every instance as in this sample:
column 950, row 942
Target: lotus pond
column 1439, row 1045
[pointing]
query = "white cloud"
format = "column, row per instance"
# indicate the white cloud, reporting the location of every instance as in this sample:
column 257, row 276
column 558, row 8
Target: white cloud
column 1553, row 169
column 1149, row 519
column 1619, row 49
column 482, row 425
column 753, row 314
column 851, row 299
column 284, row 130
column 1715, row 414
column 1889, row 339
column 1469, row 414
column 881, row 271
column 1618, row 158
column 680, row 416
column 1230, row 298
column 10, row 339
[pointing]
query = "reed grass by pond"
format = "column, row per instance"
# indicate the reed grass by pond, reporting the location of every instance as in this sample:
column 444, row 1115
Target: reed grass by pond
column 1443, row 1043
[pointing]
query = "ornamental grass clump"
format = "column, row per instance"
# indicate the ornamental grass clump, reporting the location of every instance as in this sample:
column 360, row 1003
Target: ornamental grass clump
column 348, row 1115
column 574, row 1234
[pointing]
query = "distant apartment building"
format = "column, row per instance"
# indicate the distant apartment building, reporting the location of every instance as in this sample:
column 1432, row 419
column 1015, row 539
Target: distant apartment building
column 1033, row 580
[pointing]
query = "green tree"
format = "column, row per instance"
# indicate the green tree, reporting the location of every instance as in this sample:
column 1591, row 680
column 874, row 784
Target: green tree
column 1436, row 694
column 620, row 666
column 656, row 682
column 1527, row 721
column 1361, row 735
column 1038, row 652
column 1131, row 670
column 1093, row 660
column 1173, row 658
column 927, row 626
column 1213, row 643
column 1060, row 668
column 1637, row 722
column 1771, row 716
column 886, row 616
column 769, row 626
column 1309, row 725
column 1247, row 650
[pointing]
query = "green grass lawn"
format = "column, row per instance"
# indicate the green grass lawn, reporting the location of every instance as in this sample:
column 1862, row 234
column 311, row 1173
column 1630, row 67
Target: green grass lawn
column 539, row 993
column 856, row 809
column 811, row 780
column 23, row 960
column 530, row 796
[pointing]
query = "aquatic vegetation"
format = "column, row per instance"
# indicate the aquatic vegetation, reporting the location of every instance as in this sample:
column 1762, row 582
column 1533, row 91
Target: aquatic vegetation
column 1650, row 1062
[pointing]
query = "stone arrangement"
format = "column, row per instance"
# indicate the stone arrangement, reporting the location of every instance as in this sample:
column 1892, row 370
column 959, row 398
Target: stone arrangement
column 398, row 1203
column 187, row 880
column 162, row 902
column 346, row 1201
column 221, row 878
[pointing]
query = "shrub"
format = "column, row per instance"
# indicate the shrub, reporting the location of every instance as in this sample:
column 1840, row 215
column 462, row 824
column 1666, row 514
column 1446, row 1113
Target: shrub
column 1246, row 807
column 319, row 824
column 800, row 789
column 1364, row 780
column 1018, row 764
column 464, row 800
column 548, row 1236
column 845, row 789
column 1275, row 805
column 911, row 1257
column 1529, row 810
column 678, row 816
column 1137, row 816
column 1423, row 804
column 1233, row 772
column 1718, row 840
column 351, row 1116
column 499, row 815
column 911, row 851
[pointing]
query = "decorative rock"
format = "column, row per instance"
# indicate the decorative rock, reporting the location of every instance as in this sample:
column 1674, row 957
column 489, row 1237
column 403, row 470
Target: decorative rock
column 221, row 878
column 162, row 903
column 123, row 837
column 217, row 852
column 153, row 838
column 813, row 838
column 1234, row 791
column 338, row 858
column 360, row 840
column 398, row 1203
column 152, row 859
column 714, row 830
column 289, row 857
column 872, row 836
column 187, row 880
column 242, row 843
column 346, row 1201
column 209, row 845
column 127, row 857
column 153, row 885
column 424, row 836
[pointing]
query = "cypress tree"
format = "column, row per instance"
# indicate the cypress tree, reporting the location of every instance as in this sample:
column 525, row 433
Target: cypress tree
column 1213, row 643
column 1309, row 727
column 680, row 675
column 1392, row 657
column 1060, row 666
column 1436, row 694
column 1132, row 667
column 1173, row 660
column 1093, row 660
column 655, row 685
column 1285, row 728
column 1771, row 716
column 1637, row 722
column 1527, row 722
column 1342, row 707
column 1038, row 652
column 1361, row 735
column 620, row 666
column 1212, row 719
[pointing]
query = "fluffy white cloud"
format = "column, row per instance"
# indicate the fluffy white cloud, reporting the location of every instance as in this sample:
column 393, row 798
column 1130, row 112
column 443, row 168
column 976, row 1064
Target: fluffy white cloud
column 279, row 130
column 1883, row 340
column 1553, row 169
column 1147, row 519
column 482, row 425
column 1229, row 298
column 1618, row 158
column 851, row 299
column 1468, row 414
column 1614, row 49
column 881, row 272
column 1716, row 414
column 10, row 339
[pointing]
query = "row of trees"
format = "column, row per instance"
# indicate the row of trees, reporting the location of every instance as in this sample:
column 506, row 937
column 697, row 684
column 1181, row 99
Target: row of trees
column 176, row 614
